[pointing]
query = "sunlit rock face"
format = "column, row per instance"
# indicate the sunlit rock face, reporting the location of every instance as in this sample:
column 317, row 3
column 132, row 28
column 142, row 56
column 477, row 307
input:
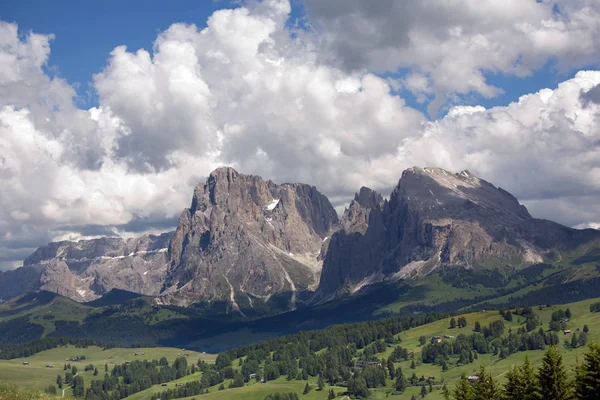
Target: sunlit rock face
column 245, row 239
column 437, row 219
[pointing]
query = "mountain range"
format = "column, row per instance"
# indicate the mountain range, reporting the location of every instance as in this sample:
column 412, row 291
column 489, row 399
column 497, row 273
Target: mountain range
column 250, row 247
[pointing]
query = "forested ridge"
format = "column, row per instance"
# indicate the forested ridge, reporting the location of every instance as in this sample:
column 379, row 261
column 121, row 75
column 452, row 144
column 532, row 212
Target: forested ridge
column 10, row 351
column 362, row 357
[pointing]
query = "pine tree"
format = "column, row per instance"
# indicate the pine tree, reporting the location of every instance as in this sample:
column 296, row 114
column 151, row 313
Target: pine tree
column 95, row 371
column 464, row 391
column 586, row 329
column 486, row 388
column 587, row 379
column 306, row 388
column 320, row 383
column 552, row 376
column 59, row 381
column 357, row 386
column 238, row 380
column 583, row 339
column 400, row 381
column 78, row 387
column 412, row 364
column 391, row 369
column 452, row 323
column 423, row 391
column 574, row 341
column 444, row 365
column 522, row 383
column 477, row 327
column 331, row 395
column 105, row 367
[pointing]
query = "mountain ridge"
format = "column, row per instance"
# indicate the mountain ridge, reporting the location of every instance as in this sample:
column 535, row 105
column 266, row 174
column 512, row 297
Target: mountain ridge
column 435, row 219
column 251, row 247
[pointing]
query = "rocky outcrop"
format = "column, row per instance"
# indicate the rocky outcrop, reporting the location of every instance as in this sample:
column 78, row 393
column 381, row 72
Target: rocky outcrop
column 87, row 269
column 253, row 247
column 436, row 219
column 244, row 240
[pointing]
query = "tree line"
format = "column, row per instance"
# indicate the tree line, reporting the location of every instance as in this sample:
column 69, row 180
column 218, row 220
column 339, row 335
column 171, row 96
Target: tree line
column 20, row 350
column 524, row 382
column 132, row 377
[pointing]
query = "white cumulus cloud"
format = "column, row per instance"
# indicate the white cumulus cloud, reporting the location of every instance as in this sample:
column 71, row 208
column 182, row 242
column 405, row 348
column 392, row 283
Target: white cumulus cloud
column 249, row 91
column 450, row 46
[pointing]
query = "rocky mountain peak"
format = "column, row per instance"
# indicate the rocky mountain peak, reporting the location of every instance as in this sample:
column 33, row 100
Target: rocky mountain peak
column 249, row 246
column 356, row 216
column 260, row 238
column 368, row 198
column 436, row 219
column 438, row 193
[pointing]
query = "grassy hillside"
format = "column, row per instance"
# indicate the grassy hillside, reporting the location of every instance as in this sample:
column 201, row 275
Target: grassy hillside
column 37, row 376
column 252, row 391
column 14, row 392
column 497, row 366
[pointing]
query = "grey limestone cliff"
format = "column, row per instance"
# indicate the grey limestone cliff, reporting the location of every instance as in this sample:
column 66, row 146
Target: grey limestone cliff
column 87, row 269
column 245, row 239
column 435, row 219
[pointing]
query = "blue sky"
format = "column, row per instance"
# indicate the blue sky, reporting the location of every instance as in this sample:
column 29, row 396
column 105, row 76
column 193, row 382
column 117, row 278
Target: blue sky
column 333, row 104
column 85, row 33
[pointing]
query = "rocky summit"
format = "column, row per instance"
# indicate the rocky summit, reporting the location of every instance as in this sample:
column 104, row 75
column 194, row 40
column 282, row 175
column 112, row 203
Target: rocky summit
column 250, row 247
column 436, row 219
column 244, row 240
column 244, row 244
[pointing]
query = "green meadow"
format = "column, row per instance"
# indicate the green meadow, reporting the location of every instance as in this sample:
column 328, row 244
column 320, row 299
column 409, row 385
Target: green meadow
column 38, row 376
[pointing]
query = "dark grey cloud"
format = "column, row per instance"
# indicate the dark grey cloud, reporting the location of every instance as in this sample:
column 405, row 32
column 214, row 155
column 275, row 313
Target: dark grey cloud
column 449, row 47
column 14, row 251
column 140, row 225
column 591, row 96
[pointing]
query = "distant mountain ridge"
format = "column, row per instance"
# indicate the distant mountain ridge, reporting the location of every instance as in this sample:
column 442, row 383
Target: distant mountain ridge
column 244, row 243
column 436, row 219
column 87, row 269
column 250, row 247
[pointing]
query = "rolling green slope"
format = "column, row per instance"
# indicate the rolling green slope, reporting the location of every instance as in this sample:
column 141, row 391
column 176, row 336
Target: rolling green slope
column 36, row 375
